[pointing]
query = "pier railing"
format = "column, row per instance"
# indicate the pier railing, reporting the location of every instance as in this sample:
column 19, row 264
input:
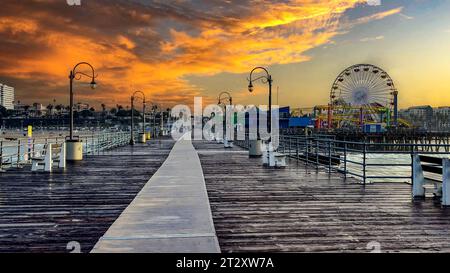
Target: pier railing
column 18, row 152
column 368, row 162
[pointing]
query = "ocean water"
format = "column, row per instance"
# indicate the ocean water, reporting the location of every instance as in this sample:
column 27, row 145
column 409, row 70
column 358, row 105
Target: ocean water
column 389, row 172
column 384, row 171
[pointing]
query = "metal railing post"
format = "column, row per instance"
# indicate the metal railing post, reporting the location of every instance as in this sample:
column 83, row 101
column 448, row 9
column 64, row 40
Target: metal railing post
column 329, row 156
column 317, row 154
column 33, row 149
column 412, row 164
column 364, row 162
column 1, row 155
column 345, row 160
column 87, row 145
column 29, row 149
column 99, row 143
column 290, row 146
column 18, row 153
column 307, row 151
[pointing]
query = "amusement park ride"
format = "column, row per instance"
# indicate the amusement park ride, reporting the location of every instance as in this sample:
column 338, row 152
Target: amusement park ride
column 361, row 95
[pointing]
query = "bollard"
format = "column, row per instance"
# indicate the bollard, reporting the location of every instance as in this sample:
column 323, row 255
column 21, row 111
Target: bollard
column 142, row 138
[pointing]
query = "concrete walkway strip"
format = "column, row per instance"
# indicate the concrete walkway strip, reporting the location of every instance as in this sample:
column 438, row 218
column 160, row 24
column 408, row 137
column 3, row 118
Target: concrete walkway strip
column 170, row 215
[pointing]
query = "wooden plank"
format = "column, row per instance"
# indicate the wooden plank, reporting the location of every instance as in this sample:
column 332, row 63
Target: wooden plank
column 300, row 209
column 432, row 169
column 42, row 212
column 431, row 159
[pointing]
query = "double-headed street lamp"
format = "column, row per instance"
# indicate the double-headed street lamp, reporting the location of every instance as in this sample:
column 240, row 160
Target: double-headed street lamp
column 222, row 96
column 74, row 146
column 230, row 101
column 155, row 107
column 265, row 79
column 133, row 97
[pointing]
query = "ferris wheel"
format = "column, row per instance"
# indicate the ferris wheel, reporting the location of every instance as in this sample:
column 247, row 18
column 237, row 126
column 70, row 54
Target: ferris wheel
column 364, row 92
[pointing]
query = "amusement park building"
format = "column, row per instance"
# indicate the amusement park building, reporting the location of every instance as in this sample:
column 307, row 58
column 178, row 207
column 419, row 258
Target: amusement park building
column 285, row 119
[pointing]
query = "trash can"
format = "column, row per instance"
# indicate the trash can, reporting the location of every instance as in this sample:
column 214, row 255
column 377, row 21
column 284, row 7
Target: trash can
column 74, row 150
column 254, row 148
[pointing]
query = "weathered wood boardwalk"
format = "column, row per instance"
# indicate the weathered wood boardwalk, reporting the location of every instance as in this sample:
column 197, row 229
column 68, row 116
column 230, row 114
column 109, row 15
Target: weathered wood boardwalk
column 170, row 215
column 43, row 212
column 299, row 209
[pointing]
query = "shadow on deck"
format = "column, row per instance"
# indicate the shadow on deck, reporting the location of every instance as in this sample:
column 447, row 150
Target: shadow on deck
column 42, row 212
column 299, row 209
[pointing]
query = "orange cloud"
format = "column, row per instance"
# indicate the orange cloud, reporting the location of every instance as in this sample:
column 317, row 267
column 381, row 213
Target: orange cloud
column 154, row 54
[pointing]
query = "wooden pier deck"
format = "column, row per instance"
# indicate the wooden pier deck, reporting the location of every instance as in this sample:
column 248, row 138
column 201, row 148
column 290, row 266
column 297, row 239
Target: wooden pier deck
column 171, row 214
column 300, row 209
column 43, row 212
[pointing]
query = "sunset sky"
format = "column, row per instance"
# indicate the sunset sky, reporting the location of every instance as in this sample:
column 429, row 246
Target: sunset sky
column 174, row 50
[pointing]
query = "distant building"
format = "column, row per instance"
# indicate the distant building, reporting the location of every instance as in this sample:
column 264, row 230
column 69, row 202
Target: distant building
column 35, row 110
column 418, row 116
column 38, row 110
column 7, row 96
column 442, row 115
column 428, row 118
column 38, row 107
column 425, row 111
column 442, row 110
column 286, row 121
column 81, row 107
column 20, row 108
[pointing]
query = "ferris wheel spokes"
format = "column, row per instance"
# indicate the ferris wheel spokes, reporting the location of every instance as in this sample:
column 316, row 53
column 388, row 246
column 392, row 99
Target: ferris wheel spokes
column 363, row 89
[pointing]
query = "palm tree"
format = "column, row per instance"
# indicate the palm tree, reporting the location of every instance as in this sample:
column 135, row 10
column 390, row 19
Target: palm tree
column 50, row 108
column 58, row 108
column 26, row 108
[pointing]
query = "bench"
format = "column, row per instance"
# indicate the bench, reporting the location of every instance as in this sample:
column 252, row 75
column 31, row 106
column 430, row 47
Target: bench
column 273, row 158
column 431, row 165
column 228, row 143
column 277, row 160
column 52, row 155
